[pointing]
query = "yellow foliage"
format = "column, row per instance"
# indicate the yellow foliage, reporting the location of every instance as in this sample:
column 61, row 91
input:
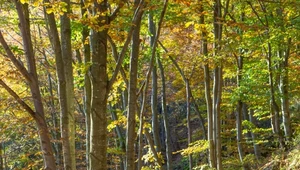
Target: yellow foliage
column 195, row 147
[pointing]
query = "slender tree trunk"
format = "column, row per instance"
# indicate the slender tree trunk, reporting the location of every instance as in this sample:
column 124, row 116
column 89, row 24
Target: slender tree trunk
column 121, row 138
column 283, row 87
column 1, row 157
column 45, row 142
column 145, row 85
column 165, row 117
column 63, row 61
column 155, row 124
column 188, row 119
column 68, row 117
column 87, row 85
column 274, row 105
column 239, row 111
column 204, row 52
column 284, row 54
column 217, row 86
column 253, row 135
column 54, row 116
column 132, row 97
column 53, row 112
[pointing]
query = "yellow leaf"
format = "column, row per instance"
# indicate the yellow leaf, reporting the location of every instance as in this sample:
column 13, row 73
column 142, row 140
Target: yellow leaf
column 188, row 24
column 49, row 10
column 24, row 1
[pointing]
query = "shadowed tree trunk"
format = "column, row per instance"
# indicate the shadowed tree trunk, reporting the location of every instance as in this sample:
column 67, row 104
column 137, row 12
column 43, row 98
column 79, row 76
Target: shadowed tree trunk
column 165, row 117
column 254, row 136
column 154, row 105
column 1, row 157
column 132, row 97
column 87, row 84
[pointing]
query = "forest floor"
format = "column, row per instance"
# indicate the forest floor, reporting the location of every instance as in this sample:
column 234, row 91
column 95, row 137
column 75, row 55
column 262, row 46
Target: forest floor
column 273, row 159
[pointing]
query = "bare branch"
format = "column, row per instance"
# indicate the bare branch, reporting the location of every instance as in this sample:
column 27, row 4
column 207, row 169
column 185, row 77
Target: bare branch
column 13, row 58
column 139, row 11
column 17, row 97
column 115, row 55
column 255, row 12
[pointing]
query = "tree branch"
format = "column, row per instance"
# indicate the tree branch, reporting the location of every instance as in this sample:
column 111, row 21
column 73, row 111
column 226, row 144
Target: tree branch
column 13, row 58
column 17, row 97
column 153, row 52
column 116, row 11
column 139, row 11
column 115, row 55
column 255, row 12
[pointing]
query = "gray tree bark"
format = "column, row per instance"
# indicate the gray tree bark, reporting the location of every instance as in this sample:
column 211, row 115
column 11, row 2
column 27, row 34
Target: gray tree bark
column 165, row 117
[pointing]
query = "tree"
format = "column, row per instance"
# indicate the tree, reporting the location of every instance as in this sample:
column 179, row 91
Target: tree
column 30, row 74
column 64, row 70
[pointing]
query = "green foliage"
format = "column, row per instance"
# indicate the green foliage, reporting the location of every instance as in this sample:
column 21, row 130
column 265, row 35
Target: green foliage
column 82, row 70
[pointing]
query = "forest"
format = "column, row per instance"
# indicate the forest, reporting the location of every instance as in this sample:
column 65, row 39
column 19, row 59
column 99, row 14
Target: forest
column 149, row 84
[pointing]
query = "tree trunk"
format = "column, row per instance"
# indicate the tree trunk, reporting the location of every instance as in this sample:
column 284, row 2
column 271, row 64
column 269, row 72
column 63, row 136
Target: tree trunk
column 283, row 87
column 217, row 86
column 254, row 138
column 1, row 157
column 65, row 85
column 155, row 124
column 165, row 117
column 53, row 112
column 68, row 120
column 274, row 105
column 119, row 132
column 188, row 119
column 99, row 83
column 239, row 111
column 87, row 85
column 132, row 97
column 204, row 52
column 32, row 79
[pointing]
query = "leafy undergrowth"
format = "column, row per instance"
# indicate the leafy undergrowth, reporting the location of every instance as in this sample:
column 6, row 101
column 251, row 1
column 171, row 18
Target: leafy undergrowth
column 289, row 160
column 278, row 160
